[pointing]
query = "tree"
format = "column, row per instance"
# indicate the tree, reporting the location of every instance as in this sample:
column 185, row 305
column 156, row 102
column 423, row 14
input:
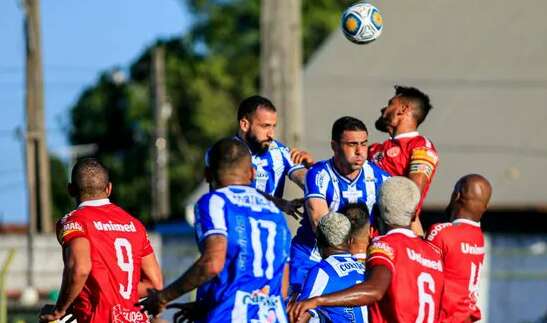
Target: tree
column 208, row 72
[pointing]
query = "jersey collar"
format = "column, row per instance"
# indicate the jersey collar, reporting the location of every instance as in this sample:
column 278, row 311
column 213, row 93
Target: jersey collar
column 99, row 202
column 407, row 232
column 344, row 178
column 410, row 134
column 466, row 221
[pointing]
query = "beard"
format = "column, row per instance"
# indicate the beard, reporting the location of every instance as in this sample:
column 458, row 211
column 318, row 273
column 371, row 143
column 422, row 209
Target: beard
column 257, row 146
column 381, row 124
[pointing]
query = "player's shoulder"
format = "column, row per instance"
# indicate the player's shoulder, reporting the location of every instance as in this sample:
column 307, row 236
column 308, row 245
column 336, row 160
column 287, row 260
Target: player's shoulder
column 319, row 175
column 421, row 141
column 205, row 198
column 438, row 230
column 377, row 170
column 73, row 223
column 72, row 216
column 278, row 144
column 319, row 166
column 384, row 245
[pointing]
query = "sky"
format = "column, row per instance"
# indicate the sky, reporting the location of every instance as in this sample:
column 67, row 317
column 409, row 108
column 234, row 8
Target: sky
column 80, row 39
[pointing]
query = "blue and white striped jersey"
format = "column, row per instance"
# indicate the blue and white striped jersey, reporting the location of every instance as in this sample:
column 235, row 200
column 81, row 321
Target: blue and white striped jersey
column 323, row 181
column 271, row 168
column 249, row 287
column 335, row 273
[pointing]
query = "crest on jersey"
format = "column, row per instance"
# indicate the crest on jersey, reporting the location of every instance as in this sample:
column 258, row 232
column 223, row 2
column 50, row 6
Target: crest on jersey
column 393, row 152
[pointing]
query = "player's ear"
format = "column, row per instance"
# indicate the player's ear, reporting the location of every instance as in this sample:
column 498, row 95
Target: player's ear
column 244, row 124
column 333, row 145
column 405, row 108
column 108, row 189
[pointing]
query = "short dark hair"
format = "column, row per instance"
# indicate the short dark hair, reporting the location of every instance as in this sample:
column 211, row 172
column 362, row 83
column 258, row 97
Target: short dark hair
column 358, row 216
column 346, row 124
column 248, row 106
column 420, row 99
column 227, row 154
column 89, row 177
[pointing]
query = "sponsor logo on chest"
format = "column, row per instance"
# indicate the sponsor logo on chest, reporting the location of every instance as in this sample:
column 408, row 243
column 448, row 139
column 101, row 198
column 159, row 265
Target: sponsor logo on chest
column 118, row 227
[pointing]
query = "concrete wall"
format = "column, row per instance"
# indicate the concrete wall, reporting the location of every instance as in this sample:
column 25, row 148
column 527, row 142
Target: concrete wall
column 48, row 262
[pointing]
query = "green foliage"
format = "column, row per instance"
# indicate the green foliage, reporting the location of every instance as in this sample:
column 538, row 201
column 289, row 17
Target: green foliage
column 208, row 72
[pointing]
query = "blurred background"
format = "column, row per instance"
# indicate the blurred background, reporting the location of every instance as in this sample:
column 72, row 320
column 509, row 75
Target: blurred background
column 147, row 86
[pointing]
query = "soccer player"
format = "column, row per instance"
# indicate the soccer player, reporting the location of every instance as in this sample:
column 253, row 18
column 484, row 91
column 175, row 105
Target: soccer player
column 404, row 273
column 244, row 243
column 337, row 271
column 332, row 184
column 257, row 117
column 462, row 247
column 106, row 253
column 406, row 153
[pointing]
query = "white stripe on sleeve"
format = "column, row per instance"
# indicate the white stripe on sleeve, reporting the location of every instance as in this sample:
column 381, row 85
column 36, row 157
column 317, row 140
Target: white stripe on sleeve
column 216, row 212
column 320, row 283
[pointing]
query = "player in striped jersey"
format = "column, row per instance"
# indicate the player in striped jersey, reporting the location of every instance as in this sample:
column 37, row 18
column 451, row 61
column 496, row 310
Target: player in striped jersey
column 337, row 271
column 244, row 242
column 273, row 161
column 332, row 184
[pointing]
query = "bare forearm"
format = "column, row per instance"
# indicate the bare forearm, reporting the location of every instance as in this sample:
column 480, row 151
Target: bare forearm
column 194, row 277
column 299, row 177
column 370, row 291
column 316, row 208
column 358, row 295
column 71, row 286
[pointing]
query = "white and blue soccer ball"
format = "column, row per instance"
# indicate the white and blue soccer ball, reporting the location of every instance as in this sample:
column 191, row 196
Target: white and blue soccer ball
column 362, row 23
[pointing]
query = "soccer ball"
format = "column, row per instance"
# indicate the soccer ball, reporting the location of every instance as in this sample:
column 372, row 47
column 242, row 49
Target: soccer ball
column 362, row 23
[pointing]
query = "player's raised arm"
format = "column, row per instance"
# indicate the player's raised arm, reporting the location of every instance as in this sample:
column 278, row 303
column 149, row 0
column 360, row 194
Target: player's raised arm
column 77, row 260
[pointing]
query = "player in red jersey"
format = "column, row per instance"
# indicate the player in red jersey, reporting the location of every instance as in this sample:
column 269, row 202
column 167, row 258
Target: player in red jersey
column 406, row 153
column 462, row 247
column 404, row 273
column 108, row 258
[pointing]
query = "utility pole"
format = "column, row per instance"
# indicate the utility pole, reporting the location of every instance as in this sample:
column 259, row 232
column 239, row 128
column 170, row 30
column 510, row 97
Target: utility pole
column 281, row 73
column 37, row 160
column 162, row 112
column 281, row 65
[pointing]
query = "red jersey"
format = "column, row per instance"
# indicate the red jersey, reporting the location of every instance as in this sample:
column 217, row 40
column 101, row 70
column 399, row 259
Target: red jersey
column 117, row 242
column 462, row 247
column 405, row 154
column 415, row 291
